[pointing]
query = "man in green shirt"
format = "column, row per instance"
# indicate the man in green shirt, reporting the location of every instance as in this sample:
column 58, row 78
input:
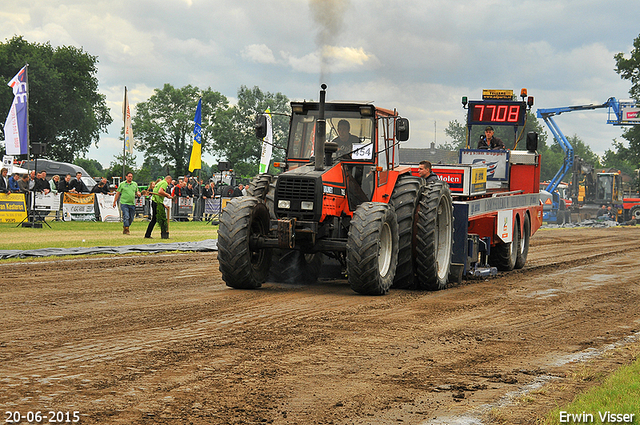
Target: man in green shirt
column 127, row 192
column 159, row 211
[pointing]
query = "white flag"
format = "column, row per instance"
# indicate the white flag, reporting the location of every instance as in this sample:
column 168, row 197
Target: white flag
column 267, row 145
column 128, row 130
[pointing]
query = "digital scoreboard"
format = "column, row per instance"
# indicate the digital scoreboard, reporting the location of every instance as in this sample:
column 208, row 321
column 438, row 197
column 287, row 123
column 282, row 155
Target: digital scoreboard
column 496, row 112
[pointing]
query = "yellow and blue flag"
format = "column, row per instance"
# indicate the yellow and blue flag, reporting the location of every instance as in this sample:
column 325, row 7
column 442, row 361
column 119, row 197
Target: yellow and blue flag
column 195, row 162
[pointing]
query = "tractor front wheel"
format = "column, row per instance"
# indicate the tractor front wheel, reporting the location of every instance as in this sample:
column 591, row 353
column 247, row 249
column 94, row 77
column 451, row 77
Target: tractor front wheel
column 242, row 265
column 372, row 248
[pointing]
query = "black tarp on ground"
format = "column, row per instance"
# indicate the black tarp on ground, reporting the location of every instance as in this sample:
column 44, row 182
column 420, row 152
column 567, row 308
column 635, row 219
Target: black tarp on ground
column 203, row 246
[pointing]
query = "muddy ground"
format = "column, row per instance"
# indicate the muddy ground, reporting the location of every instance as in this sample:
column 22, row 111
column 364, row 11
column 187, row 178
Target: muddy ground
column 160, row 339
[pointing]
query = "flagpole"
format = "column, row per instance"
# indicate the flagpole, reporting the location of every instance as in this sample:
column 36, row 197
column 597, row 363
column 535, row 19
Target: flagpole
column 124, row 138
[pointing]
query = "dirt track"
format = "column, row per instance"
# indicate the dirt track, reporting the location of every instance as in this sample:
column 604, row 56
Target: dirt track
column 161, row 339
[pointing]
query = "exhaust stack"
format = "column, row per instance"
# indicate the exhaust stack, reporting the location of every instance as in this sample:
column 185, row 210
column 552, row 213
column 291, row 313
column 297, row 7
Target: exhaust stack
column 321, row 134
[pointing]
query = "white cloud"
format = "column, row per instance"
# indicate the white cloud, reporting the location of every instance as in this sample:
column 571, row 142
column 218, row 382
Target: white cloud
column 420, row 56
column 335, row 59
column 258, row 53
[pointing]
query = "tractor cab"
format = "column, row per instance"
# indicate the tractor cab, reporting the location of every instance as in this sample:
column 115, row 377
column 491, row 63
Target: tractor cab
column 350, row 126
column 339, row 155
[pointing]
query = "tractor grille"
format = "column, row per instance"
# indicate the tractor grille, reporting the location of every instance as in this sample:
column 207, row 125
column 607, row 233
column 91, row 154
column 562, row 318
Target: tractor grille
column 296, row 190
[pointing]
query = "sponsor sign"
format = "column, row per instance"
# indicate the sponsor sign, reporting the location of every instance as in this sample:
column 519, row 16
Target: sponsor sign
column 48, row 202
column 497, row 94
column 107, row 211
column 182, row 207
column 13, row 208
column 630, row 115
column 497, row 162
column 78, row 207
column 504, row 225
column 465, row 180
column 212, row 206
column 454, row 177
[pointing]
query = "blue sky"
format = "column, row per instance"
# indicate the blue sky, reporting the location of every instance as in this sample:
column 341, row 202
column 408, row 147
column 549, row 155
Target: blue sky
column 419, row 56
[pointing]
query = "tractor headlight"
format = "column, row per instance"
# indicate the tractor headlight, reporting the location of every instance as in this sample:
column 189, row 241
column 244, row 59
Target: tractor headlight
column 284, row 204
column 306, row 205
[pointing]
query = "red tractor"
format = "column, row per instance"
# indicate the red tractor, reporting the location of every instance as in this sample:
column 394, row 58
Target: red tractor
column 342, row 196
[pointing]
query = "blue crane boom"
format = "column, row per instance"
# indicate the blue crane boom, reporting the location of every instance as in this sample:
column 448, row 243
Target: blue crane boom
column 619, row 113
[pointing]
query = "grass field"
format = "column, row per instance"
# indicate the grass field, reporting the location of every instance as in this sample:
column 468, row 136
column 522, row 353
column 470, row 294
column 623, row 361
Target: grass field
column 74, row 234
column 607, row 403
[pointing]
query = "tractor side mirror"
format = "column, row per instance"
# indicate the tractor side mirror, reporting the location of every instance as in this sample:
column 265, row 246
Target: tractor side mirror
column 532, row 141
column 402, row 129
column 261, row 126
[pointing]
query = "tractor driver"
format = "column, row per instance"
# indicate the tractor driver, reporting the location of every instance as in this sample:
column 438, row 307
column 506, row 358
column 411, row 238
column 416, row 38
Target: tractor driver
column 345, row 139
column 488, row 141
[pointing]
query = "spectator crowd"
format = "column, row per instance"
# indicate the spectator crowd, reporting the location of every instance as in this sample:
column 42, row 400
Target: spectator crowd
column 189, row 187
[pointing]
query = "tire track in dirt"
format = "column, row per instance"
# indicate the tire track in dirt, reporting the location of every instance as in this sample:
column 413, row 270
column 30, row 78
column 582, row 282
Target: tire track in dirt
column 180, row 347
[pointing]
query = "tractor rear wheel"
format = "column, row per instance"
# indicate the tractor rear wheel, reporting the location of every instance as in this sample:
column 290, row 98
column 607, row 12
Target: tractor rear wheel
column 523, row 250
column 634, row 213
column 243, row 266
column 372, row 248
column 504, row 256
column 295, row 267
column 259, row 186
column 434, row 237
column 404, row 199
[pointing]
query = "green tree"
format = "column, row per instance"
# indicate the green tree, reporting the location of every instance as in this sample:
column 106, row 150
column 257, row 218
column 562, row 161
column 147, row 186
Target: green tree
column 629, row 69
column 115, row 167
column 458, row 134
column 164, row 124
column 65, row 109
column 627, row 158
column 151, row 169
column 239, row 145
column 553, row 157
column 91, row 166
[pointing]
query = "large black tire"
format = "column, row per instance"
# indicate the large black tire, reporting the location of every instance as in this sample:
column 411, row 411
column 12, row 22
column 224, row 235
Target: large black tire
column 372, row 248
column 634, row 213
column 259, row 186
column 405, row 198
column 503, row 256
column 295, row 267
column 241, row 266
column 434, row 237
column 523, row 249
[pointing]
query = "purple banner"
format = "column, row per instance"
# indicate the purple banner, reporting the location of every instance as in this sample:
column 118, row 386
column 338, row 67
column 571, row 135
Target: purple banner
column 15, row 127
